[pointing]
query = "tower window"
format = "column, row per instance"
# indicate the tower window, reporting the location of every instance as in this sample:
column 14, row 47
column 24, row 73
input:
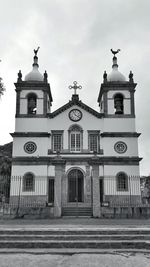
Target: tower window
column 118, row 104
column 32, row 104
column 28, row 182
column 122, row 181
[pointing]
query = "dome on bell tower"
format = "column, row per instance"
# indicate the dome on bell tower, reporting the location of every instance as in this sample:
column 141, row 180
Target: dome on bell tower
column 34, row 75
column 115, row 75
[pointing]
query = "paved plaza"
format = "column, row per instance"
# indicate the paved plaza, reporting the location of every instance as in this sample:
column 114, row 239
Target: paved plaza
column 75, row 260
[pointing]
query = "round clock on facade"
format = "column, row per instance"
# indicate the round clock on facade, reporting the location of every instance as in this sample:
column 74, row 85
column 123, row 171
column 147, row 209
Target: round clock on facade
column 75, row 115
column 120, row 147
column 30, row 147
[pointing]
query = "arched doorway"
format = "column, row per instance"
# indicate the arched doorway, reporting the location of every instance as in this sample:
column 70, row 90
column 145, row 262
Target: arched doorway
column 75, row 186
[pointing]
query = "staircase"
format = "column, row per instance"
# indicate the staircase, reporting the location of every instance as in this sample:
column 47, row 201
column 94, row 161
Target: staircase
column 77, row 238
column 77, row 211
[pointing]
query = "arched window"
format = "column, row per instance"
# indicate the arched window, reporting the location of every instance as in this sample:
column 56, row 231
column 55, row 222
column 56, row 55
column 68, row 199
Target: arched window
column 75, row 138
column 28, row 182
column 122, row 181
column 32, row 103
column 118, row 104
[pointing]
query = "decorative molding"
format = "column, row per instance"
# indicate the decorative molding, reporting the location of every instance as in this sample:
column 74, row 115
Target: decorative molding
column 30, row 134
column 30, row 147
column 120, row 134
column 82, row 152
column 18, row 103
column 62, row 160
column 105, row 103
column 115, row 86
column 24, row 85
column 80, row 104
column 122, row 116
column 120, row 147
column 115, row 160
column 31, row 160
column 33, row 116
column 132, row 102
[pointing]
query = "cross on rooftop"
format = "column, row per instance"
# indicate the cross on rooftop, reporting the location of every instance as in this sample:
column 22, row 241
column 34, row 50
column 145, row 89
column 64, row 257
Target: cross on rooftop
column 75, row 87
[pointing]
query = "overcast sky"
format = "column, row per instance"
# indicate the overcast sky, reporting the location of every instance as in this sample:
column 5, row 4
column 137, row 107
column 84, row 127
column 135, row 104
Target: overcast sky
column 75, row 37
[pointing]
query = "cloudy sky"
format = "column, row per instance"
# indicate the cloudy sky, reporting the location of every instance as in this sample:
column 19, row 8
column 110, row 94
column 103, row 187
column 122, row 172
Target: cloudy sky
column 75, row 37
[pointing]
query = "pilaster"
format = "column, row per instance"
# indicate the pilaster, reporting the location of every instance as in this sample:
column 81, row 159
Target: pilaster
column 96, row 187
column 59, row 167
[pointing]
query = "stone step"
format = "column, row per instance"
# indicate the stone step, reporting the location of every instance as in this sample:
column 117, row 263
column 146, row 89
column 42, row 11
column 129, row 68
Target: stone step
column 78, row 231
column 77, row 211
column 77, row 237
column 125, row 244
column 57, row 238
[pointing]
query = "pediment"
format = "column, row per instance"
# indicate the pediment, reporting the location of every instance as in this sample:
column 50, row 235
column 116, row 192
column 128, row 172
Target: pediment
column 80, row 104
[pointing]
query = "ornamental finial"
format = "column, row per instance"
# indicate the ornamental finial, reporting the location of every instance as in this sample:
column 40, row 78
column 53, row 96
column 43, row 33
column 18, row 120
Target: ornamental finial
column 115, row 52
column 36, row 51
column 75, row 87
column 35, row 58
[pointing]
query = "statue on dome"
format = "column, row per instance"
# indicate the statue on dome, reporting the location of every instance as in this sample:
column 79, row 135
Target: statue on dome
column 36, row 51
column 115, row 52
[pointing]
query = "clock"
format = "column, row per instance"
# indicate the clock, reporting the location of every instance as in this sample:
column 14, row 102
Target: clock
column 75, row 115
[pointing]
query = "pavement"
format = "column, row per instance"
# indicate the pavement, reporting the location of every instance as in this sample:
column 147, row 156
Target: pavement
column 76, row 260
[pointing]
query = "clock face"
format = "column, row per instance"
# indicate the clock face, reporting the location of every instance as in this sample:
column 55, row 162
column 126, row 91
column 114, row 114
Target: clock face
column 75, row 115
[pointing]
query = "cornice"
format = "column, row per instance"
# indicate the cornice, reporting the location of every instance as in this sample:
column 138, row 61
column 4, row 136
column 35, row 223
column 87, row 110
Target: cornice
column 30, row 134
column 120, row 134
column 62, row 160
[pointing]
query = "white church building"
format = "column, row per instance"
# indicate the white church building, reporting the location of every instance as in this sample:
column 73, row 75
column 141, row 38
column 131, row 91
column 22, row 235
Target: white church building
column 75, row 157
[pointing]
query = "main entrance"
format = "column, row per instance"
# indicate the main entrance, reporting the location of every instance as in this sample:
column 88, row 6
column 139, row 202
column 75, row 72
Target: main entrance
column 75, row 186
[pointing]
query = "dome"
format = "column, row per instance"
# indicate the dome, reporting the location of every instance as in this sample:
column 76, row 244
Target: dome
column 116, row 76
column 34, row 75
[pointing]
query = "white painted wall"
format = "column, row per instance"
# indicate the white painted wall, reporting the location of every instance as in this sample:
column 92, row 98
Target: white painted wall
column 109, row 142
column 51, row 170
column 40, row 172
column 119, row 125
column 17, row 187
column 110, row 187
column 31, row 125
column 37, row 170
column 41, row 142
column 112, row 170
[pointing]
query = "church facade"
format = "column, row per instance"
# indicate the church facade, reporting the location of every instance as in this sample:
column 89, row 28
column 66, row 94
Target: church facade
column 75, row 156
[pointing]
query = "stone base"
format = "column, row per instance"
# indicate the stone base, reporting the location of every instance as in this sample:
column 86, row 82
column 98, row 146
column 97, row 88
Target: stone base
column 123, row 200
column 28, row 201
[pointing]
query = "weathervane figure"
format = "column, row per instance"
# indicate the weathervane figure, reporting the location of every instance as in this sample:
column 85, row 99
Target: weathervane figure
column 115, row 52
column 75, row 87
column 36, row 51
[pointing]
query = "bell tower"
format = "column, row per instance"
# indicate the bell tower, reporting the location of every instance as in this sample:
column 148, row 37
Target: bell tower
column 34, row 97
column 116, row 96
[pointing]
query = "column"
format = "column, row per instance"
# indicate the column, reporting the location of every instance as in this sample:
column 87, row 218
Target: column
column 59, row 167
column 96, row 190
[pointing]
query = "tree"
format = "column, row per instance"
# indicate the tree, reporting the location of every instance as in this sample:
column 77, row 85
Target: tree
column 2, row 88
